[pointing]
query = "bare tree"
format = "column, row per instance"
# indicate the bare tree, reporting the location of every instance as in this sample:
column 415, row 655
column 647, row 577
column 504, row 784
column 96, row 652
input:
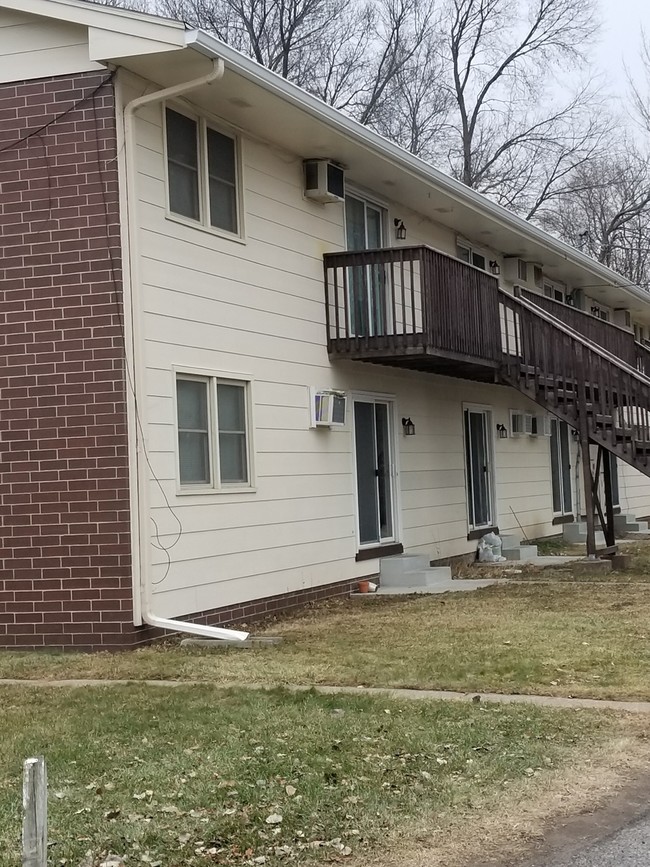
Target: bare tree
column 606, row 212
column 509, row 139
column 133, row 5
column 640, row 91
column 351, row 55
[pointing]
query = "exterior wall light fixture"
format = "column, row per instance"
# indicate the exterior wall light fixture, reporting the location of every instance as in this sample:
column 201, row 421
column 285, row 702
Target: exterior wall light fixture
column 502, row 430
column 408, row 427
column 400, row 229
column 495, row 268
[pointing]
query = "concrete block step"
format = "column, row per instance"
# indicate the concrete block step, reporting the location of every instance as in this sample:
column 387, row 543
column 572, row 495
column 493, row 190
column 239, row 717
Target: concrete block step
column 625, row 523
column 401, row 563
column 521, row 552
column 576, row 533
column 510, row 540
column 416, row 578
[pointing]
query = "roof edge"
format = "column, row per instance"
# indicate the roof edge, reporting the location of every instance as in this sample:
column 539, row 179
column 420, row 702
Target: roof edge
column 210, row 46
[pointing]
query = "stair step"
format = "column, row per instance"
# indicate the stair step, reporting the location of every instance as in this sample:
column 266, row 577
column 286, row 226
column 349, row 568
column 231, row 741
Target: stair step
column 625, row 523
column 510, row 540
column 417, row 577
column 576, row 532
column 398, row 564
column 521, row 552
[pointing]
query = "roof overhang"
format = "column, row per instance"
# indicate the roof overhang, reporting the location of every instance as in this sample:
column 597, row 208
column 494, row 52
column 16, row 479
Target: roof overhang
column 264, row 104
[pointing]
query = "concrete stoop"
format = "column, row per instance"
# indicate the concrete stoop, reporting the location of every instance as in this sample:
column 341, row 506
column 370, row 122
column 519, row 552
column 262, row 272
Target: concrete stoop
column 406, row 574
column 410, row 570
column 575, row 533
column 626, row 524
column 512, row 549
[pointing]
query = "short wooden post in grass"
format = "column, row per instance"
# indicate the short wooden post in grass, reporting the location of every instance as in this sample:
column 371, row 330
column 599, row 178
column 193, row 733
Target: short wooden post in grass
column 35, row 813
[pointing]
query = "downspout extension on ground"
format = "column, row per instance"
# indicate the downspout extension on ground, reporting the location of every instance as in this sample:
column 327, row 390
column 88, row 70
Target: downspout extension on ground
column 141, row 563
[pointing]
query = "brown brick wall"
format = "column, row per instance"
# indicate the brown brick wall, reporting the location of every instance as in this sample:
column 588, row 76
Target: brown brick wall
column 256, row 610
column 65, row 577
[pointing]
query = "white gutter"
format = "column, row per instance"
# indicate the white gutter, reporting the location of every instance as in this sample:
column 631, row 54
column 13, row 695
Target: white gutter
column 141, row 564
column 209, row 46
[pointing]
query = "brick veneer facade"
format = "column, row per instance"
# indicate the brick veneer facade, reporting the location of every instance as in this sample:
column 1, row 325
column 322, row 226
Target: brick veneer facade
column 65, row 547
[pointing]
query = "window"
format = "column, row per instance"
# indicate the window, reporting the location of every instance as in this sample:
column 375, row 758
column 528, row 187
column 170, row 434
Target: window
column 599, row 313
column 201, row 172
column 557, row 293
column 213, row 437
column 522, row 270
column 467, row 254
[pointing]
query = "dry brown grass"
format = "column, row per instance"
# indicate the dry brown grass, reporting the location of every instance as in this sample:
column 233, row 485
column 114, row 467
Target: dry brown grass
column 553, row 639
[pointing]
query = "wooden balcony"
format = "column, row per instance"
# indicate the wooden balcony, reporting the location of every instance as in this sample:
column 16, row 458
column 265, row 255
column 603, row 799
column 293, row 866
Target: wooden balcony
column 413, row 307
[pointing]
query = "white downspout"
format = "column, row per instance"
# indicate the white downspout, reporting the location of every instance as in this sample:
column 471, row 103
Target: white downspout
column 141, row 563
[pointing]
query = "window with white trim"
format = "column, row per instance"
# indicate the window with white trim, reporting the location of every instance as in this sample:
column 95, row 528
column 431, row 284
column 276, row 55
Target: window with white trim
column 467, row 254
column 213, row 432
column 202, row 172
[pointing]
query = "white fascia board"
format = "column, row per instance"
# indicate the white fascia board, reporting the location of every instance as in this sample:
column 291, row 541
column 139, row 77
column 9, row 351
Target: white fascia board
column 107, row 44
column 108, row 18
column 418, row 168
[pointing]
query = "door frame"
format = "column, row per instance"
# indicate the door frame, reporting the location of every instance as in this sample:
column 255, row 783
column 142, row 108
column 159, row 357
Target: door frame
column 489, row 411
column 564, row 511
column 385, row 216
column 391, row 401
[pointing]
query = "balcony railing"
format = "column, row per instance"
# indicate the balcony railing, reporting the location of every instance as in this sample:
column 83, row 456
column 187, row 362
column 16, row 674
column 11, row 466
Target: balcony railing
column 613, row 338
column 411, row 301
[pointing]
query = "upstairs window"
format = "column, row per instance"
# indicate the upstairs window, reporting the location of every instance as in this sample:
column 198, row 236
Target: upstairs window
column 472, row 257
column 202, row 173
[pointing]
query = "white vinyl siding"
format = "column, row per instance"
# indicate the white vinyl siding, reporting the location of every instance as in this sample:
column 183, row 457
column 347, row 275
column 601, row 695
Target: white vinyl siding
column 208, row 306
column 33, row 47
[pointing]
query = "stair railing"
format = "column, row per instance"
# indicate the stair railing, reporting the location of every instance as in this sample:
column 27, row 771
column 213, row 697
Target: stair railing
column 576, row 379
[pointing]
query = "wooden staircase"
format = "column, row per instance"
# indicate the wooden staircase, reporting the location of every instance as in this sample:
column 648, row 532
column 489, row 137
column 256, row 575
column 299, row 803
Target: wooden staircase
column 604, row 398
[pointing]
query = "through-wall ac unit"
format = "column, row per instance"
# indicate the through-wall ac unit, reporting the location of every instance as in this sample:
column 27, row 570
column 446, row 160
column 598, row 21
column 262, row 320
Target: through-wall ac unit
column 518, row 424
column 515, row 270
column 541, row 426
column 529, row 424
column 324, row 181
column 328, row 408
column 622, row 317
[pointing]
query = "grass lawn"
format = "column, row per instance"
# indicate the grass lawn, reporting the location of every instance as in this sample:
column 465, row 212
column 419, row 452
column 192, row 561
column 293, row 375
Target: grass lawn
column 201, row 776
column 554, row 639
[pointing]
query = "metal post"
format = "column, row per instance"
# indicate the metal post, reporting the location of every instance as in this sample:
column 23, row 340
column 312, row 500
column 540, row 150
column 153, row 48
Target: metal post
column 35, row 813
column 589, row 495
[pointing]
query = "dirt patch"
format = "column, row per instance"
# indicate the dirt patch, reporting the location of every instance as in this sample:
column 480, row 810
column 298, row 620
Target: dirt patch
column 591, row 798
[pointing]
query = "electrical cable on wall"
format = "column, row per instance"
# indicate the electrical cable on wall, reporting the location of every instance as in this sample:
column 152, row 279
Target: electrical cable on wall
column 113, row 268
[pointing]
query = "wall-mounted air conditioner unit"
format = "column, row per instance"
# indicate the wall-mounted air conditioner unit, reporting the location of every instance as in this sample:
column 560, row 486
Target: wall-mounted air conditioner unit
column 517, row 423
column 540, row 426
column 529, row 424
column 328, row 408
column 515, row 270
column 622, row 317
column 324, row 181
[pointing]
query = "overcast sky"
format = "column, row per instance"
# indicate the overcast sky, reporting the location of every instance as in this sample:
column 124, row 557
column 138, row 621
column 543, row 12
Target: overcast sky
column 621, row 36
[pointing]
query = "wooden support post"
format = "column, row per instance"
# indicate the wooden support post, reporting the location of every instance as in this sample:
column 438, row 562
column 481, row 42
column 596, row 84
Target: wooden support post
column 595, row 488
column 610, row 535
column 583, row 428
column 35, row 813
